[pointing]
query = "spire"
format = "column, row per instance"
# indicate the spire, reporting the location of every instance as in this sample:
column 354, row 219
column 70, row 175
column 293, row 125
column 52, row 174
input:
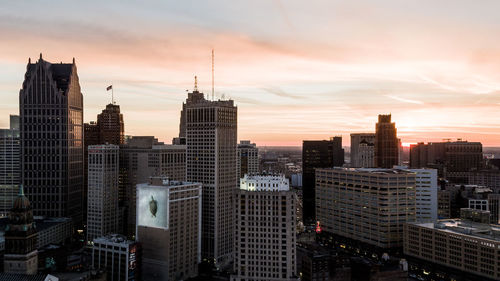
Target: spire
column 40, row 56
column 195, row 83
column 29, row 60
column 73, row 60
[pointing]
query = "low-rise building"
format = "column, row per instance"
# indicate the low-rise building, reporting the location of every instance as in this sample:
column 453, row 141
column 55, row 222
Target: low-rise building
column 438, row 250
column 119, row 257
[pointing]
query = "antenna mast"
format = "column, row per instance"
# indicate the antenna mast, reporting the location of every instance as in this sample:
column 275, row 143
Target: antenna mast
column 195, row 84
column 212, row 74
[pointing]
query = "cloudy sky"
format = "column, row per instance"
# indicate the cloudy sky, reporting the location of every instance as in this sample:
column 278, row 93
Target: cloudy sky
column 296, row 69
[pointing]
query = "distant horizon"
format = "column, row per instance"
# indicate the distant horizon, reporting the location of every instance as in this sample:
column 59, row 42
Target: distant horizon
column 295, row 70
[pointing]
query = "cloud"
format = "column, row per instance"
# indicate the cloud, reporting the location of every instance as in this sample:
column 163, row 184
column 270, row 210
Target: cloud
column 404, row 100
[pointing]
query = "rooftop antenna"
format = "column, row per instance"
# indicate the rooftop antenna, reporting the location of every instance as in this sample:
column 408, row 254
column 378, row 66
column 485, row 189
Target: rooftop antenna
column 195, row 83
column 213, row 74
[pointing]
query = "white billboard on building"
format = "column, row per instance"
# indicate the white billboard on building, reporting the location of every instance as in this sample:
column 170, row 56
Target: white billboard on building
column 152, row 206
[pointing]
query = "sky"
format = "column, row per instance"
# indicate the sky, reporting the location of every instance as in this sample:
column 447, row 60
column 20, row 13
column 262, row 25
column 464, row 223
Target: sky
column 297, row 70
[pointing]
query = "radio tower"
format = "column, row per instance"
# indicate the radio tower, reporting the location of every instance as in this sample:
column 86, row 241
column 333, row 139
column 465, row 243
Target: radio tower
column 212, row 74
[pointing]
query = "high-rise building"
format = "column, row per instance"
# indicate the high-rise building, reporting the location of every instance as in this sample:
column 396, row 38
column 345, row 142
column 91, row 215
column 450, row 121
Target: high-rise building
column 109, row 129
column 248, row 159
column 426, row 195
column 453, row 250
column 118, row 257
column 444, row 204
column 10, row 165
column 21, row 255
column 386, row 143
column 169, row 228
column 51, row 123
column 455, row 160
column 140, row 159
column 102, row 212
column 211, row 138
column 363, row 150
column 317, row 154
column 366, row 205
column 264, row 230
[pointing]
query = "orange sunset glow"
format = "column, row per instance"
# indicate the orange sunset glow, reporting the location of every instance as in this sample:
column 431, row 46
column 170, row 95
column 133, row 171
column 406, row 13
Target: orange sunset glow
column 296, row 69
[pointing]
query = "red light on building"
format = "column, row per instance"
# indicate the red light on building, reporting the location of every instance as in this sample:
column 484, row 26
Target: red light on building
column 318, row 227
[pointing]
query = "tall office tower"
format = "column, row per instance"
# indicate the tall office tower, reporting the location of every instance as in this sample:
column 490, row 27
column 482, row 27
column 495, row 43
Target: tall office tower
column 366, row 205
column 21, row 255
column 111, row 125
column 386, row 143
column 109, row 129
column 363, row 150
column 317, row 154
column 426, row 196
column 10, row 165
column 455, row 160
column 248, row 159
column 211, row 137
column 264, row 230
column 51, row 109
column 169, row 228
column 454, row 249
column 444, row 204
column 102, row 210
column 118, row 257
column 140, row 159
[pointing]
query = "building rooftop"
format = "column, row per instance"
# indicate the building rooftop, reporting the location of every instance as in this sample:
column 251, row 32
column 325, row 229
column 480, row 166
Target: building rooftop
column 264, row 183
column 382, row 171
column 164, row 181
column 466, row 227
column 114, row 239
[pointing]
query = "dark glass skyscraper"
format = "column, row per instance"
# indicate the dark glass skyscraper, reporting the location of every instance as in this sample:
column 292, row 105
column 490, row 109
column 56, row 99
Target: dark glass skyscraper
column 51, row 123
column 386, row 143
column 317, row 154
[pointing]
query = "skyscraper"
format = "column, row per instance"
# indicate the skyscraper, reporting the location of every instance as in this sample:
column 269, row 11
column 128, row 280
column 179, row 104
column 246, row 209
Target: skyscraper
column 109, row 129
column 169, row 228
column 265, row 209
column 386, row 143
column 248, row 159
column 211, row 136
column 363, row 150
column 102, row 210
column 10, row 165
column 317, row 154
column 51, row 110
column 140, row 158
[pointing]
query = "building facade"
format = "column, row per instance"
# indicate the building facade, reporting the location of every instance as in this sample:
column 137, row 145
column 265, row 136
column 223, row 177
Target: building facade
column 471, row 248
column 317, row 154
column 21, row 255
column 102, row 212
column 119, row 257
column 426, row 195
column 363, row 150
column 386, row 143
column 211, row 138
column 366, row 205
column 10, row 165
column 51, row 126
column 142, row 157
column 248, row 159
column 169, row 228
column 455, row 160
column 265, row 237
